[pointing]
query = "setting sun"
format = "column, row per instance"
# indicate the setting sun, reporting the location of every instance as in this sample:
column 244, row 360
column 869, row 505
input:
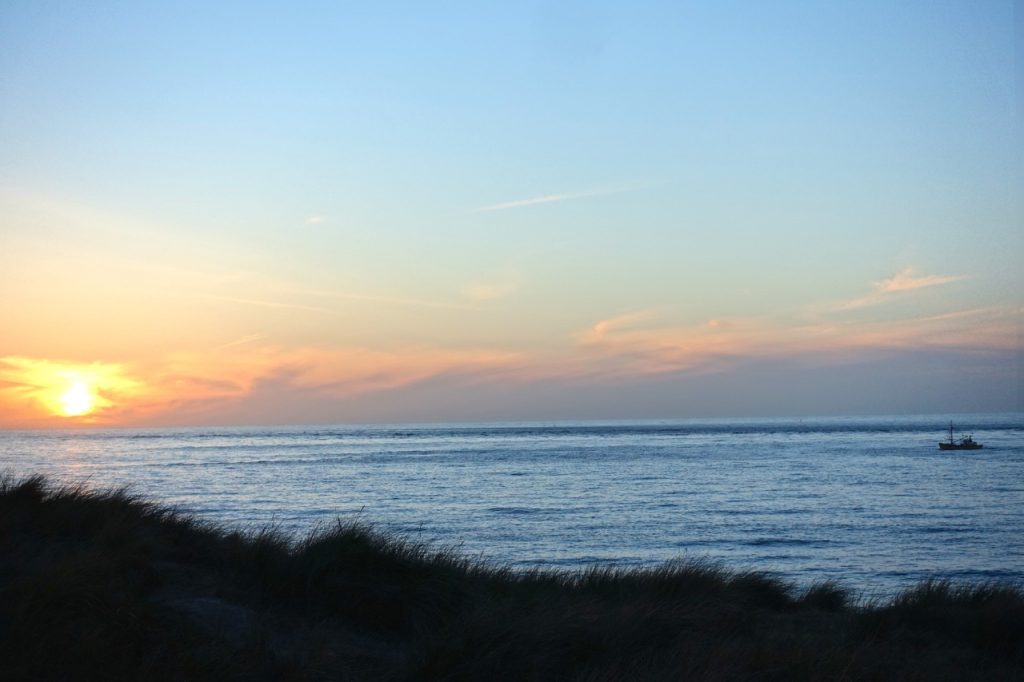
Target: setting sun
column 77, row 400
column 36, row 392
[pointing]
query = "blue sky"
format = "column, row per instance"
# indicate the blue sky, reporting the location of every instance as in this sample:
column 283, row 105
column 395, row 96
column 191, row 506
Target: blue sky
column 465, row 189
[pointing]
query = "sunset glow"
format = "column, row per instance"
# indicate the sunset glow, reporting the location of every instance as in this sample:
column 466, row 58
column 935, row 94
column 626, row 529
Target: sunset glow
column 43, row 392
column 611, row 210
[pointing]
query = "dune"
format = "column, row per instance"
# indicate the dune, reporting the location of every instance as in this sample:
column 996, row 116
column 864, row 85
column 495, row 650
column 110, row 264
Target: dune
column 106, row 585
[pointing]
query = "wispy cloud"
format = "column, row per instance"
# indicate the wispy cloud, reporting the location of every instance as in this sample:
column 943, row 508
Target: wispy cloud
column 243, row 381
column 315, row 219
column 552, row 198
column 375, row 298
column 904, row 280
column 265, row 304
column 270, row 290
column 602, row 328
column 241, row 341
column 237, row 379
column 263, row 382
column 640, row 344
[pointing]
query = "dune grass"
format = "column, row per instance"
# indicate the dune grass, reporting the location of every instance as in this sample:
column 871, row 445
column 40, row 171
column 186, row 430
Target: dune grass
column 105, row 585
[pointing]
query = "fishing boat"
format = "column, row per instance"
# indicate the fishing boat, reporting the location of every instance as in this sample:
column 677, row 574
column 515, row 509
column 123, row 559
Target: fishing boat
column 965, row 443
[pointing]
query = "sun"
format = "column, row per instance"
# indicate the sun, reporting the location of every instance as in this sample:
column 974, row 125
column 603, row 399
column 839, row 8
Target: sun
column 62, row 393
column 77, row 400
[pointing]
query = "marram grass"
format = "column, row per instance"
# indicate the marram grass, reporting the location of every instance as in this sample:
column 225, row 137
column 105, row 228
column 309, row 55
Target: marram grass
column 105, row 585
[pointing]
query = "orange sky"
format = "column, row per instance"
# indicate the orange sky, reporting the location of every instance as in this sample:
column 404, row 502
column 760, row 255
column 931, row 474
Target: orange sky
column 269, row 215
column 176, row 386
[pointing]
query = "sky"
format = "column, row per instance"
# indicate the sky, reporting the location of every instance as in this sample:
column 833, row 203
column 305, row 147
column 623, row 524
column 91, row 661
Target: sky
column 305, row 212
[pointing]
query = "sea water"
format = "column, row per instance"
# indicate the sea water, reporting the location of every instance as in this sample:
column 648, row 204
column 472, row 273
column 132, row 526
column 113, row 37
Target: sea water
column 869, row 501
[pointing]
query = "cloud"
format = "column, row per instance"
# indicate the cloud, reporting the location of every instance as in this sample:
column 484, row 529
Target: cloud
column 552, row 198
column 227, row 384
column 271, row 289
column 264, row 304
column 601, row 328
column 248, row 381
column 243, row 340
column 374, row 298
column 904, row 280
column 245, row 383
column 639, row 344
column 315, row 220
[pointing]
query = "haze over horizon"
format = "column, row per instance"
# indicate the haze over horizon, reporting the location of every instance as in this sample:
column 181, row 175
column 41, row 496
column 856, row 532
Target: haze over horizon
column 244, row 213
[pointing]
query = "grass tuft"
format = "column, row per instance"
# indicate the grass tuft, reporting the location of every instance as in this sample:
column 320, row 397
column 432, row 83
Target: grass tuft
column 826, row 596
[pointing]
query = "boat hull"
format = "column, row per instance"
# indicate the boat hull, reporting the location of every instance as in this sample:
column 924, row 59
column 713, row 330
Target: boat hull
column 958, row 446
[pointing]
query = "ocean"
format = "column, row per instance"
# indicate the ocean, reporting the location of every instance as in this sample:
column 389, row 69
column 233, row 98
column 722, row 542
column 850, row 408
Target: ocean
column 868, row 501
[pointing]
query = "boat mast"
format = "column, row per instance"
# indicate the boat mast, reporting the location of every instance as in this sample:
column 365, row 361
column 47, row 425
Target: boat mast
column 951, row 432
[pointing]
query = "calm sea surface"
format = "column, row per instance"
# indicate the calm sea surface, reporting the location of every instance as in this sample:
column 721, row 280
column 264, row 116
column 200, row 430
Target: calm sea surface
column 870, row 501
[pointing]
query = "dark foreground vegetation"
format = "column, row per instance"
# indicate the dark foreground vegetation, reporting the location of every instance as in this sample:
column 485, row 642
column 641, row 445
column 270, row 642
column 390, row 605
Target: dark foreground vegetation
column 103, row 585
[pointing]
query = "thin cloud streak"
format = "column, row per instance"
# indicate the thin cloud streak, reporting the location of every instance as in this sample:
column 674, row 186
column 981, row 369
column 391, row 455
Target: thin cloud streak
column 238, row 342
column 265, row 304
column 551, row 198
column 617, row 323
column 904, row 280
column 272, row 287
column 373, row 298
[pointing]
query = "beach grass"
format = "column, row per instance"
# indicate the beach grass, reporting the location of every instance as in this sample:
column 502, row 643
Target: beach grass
column 106, row 585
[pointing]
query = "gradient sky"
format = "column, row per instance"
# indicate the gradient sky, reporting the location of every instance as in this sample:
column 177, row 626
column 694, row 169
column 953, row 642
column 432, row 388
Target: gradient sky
column 244, row 212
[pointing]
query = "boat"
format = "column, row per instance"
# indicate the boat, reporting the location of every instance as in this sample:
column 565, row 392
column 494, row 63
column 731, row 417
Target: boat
column 965, row 443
